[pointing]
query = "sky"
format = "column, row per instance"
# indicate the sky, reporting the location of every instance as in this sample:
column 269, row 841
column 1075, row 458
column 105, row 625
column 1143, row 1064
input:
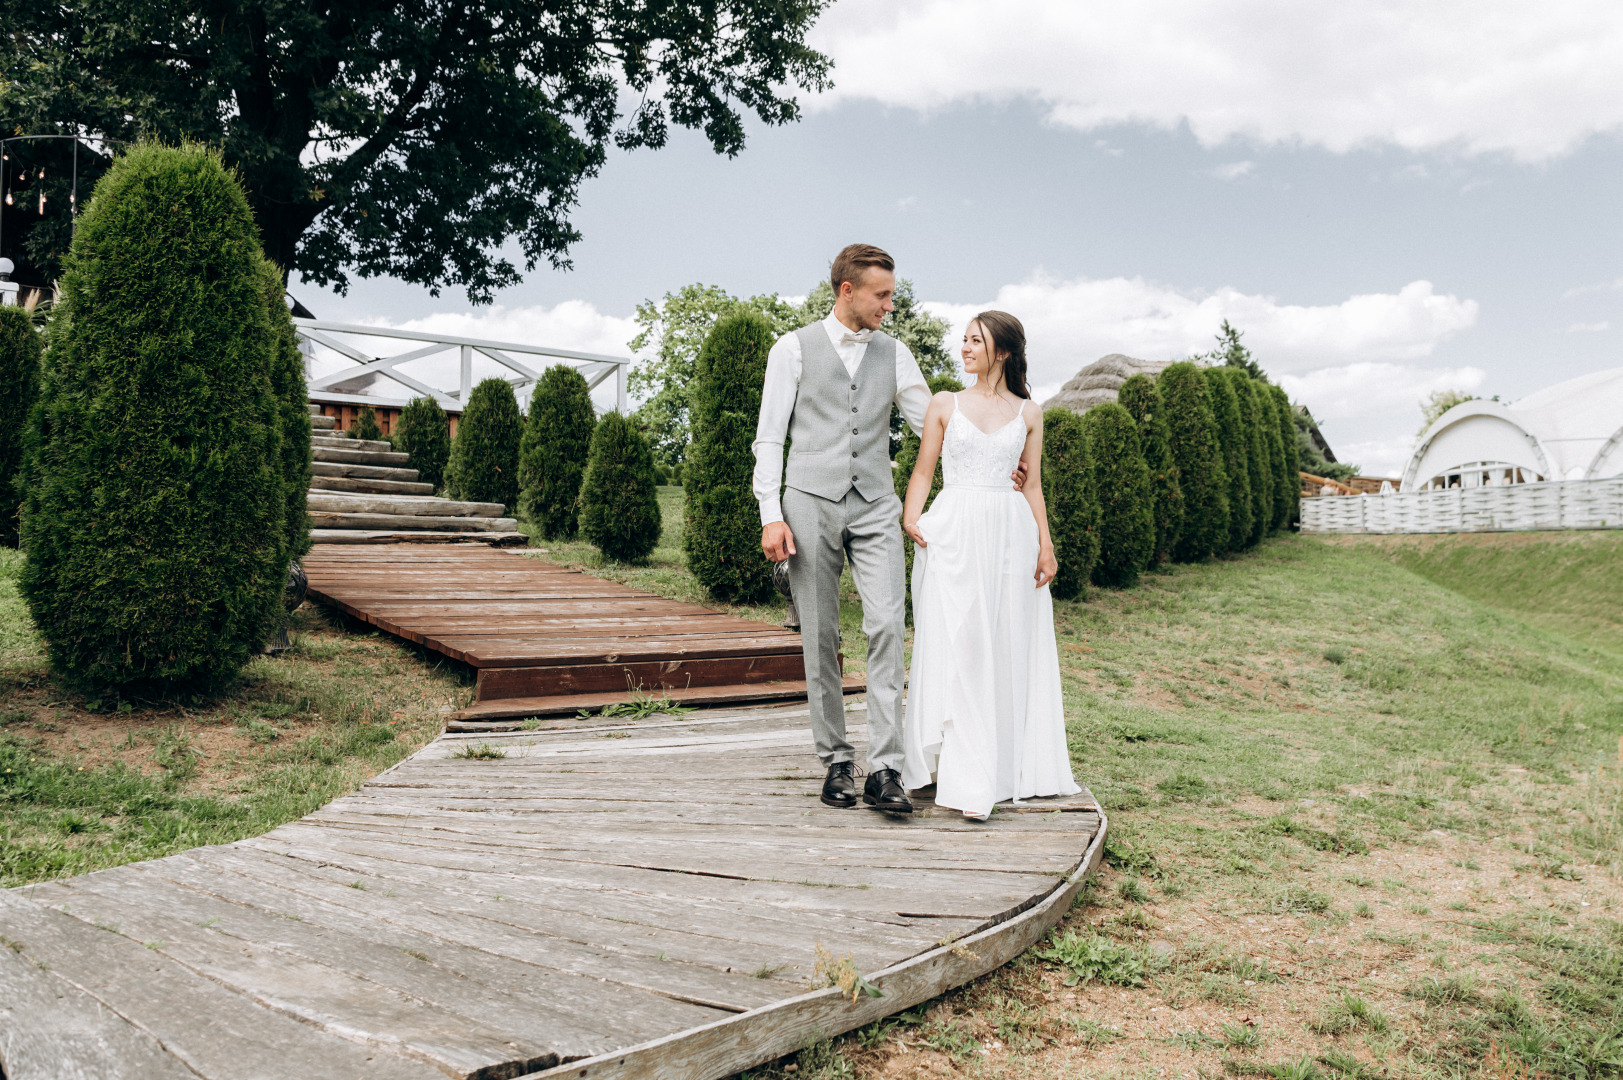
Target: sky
column 1387, row 198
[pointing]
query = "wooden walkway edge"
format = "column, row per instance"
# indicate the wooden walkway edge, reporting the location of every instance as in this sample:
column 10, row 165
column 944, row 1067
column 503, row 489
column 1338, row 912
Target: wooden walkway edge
column 588, row 899
column 548, row 641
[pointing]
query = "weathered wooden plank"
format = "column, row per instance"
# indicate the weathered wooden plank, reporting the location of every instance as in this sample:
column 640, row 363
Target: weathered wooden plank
column 748, row 1039
column 514, row 682
column 569, row 704
column 52, row 1030
column 214, row 1031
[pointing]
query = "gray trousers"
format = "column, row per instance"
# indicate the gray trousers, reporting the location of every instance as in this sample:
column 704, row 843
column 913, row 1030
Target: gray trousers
column 871, row 534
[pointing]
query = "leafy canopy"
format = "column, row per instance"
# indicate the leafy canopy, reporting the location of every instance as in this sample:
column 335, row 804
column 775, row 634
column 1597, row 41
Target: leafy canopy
column 413, row 140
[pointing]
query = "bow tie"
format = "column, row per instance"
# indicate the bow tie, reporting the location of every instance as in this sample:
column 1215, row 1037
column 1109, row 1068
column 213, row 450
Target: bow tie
column 859, row 338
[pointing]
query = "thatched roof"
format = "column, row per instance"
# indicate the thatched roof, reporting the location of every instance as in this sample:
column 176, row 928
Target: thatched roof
column 1099, row 381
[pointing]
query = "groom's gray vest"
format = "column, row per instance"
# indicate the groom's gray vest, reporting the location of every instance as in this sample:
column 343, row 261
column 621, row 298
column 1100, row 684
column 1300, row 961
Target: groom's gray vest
column 840, row 430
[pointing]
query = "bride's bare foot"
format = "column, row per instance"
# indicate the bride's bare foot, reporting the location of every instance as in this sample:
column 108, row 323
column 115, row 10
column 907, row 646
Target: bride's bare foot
column 970, row 816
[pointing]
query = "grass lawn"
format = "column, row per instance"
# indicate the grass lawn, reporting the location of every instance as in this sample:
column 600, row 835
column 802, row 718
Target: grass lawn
column 83, row 790
column 1364, row 796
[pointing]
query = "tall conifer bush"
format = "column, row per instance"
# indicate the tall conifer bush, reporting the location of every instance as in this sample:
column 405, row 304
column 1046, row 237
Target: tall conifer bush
column 1121, row 482
column 155, row 514
column 723, row 529
column 19, row 375
column 288, row 387
column 484, row 457
column 366, row 425
column 423, row 433
column 552, row 457
column 1235, row 449
column 1290, row 481
column 1073, row 503
column 1195, row 449
column 619, row 506
column 1262, row 467
column 1139, row 396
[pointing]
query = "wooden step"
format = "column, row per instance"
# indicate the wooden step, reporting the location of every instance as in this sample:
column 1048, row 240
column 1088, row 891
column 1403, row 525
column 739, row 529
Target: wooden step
column 344, row 442
column 322, row 519
column 359, row 457
column 417, row 536
column 651, row 676
column 377, row 487
column 370, row 472
column 488, row 715
column 401, row 505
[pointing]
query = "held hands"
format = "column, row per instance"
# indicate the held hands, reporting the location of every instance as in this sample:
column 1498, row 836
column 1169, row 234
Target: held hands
column 777, row 542
column 1019, row 476
column 911, row 528
column 1047, row 565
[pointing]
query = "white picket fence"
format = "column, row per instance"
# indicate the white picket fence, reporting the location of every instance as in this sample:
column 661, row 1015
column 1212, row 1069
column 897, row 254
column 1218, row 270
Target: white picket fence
column 1562, row 504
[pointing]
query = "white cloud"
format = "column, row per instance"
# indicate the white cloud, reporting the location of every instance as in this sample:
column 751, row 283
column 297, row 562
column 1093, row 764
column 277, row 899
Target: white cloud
column 1072, row 323
column 1588, row 327
column 573, row 324
column 1479, row 76
column 1615, row 285
column 1234, row 170
column 1369, row 412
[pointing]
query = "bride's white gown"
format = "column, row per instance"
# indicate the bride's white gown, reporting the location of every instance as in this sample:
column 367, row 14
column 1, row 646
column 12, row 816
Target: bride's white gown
column 985, row 719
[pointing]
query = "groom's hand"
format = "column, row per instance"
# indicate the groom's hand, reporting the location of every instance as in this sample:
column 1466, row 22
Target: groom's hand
column 1019, row 477
column 777, row 541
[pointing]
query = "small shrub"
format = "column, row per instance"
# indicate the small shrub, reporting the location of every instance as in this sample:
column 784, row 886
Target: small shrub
column 1092, row 956
column 1336, row 654
column 155, row 515
column 1121, row 483
column 619, row 504
column 366, row 425
column 423, row 433
column 1139, row 396
column 1234, row 444
column 1072, row 500
column 1195, row 450
column 19, row 374
column 723, row 530
column 552, row 457
column 484, row 457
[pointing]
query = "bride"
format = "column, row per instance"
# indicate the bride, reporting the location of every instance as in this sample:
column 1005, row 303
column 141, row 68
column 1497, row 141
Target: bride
column 985, row 720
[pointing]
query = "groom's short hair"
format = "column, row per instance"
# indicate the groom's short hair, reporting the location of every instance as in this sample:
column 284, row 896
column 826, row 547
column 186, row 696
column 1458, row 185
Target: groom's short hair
column 853, row 259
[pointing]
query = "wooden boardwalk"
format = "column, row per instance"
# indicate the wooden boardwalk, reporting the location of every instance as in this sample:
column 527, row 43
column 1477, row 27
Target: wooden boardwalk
column 601, row 900
column 547, row 641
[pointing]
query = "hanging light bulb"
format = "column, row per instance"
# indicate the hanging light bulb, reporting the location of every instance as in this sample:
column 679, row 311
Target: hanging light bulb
column 42, row 204
column 8, row 199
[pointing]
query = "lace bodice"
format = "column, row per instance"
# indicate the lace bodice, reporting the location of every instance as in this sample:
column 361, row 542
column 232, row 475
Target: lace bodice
column 976, row 458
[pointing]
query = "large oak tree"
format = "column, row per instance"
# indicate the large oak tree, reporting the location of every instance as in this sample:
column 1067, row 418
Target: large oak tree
column 409, row 138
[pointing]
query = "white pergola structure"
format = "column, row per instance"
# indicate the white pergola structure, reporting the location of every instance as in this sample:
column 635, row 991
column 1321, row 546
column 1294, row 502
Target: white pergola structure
column 1570, row 431
column 351, row 344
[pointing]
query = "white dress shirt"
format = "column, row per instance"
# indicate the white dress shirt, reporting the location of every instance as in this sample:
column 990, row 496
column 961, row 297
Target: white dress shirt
column 778, row 404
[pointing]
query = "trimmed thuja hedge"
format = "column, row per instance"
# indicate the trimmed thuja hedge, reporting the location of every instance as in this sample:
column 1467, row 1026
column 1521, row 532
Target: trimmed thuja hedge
column 1139, row 396
column 1121, row 482
column 1195, row 449
column 19, row 374
column 1073, row 506
column 423, row 433
column 366, row 425
column 723, row 530
column 552, row 457
column 1235, row 447
column 155, row 516
column 1262, row 467
column 619, row 506
column 1288, row 509
column 484, row 456
column 288, row 388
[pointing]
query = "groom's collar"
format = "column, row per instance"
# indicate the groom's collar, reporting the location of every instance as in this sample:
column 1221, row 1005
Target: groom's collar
column 837, row 330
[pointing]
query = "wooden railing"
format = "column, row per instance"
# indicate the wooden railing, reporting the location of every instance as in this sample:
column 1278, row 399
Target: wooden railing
column 323, row 341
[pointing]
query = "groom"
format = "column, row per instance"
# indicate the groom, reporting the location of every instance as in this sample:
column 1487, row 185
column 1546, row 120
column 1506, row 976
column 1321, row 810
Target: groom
column 829, row 387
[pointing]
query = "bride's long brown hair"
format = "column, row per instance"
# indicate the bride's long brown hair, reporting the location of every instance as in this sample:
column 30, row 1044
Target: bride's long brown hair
column 1008, row 336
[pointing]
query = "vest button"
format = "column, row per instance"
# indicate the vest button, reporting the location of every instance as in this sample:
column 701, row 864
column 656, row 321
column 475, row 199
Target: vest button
column 853, row 408
column 853, row 479
column 853, row 453
column 853, row 386
column 853, row 431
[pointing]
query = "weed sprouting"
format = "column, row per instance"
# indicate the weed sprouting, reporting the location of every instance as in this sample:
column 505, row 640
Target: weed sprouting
column 1091, row 956
column 481, row 752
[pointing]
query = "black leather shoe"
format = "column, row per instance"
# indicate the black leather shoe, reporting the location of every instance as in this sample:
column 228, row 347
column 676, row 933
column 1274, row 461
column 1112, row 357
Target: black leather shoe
column 884, row 791
column 840, row 786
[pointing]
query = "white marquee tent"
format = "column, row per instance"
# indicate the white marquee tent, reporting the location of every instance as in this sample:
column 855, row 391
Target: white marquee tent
column 1570, row 431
